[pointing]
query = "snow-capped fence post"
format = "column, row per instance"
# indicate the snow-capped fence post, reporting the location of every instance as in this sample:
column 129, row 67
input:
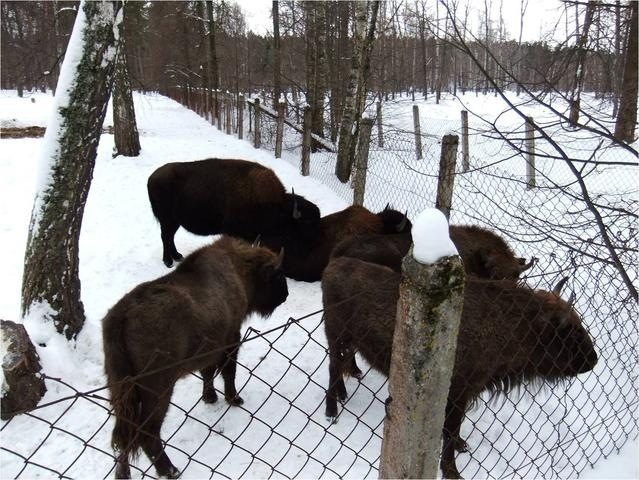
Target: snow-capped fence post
column 446, row 176
column 530, row 153
column 306, row 141
column 465, row 152
column 257, row 138
column 424, row 345
column 361, row 161
column 240, row 116
column 418, row 133
column 380, row 128
column 279, row 130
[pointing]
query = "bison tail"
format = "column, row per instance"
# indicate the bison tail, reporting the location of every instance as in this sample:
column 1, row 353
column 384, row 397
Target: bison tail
column 125, row 397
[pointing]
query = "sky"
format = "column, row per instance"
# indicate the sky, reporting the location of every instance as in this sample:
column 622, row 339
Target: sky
column 541, row 16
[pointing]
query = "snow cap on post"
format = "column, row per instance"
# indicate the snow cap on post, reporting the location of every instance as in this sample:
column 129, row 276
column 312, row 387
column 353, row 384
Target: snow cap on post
column 431, row 238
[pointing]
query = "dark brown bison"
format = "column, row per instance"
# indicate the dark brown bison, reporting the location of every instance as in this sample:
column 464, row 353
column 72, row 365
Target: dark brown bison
column 306, row 258
column 508, row 334
column 483, row 252
column 236, row 197
column 187, row 320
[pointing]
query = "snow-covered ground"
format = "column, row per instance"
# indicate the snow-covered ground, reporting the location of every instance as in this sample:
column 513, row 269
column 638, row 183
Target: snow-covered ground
column 280, row 430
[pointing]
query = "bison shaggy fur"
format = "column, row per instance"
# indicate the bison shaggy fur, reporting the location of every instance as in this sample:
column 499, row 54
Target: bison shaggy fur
column 508, row 334
column 307, row 258
column 236, row 197
column 185, row 321
column 483, row 252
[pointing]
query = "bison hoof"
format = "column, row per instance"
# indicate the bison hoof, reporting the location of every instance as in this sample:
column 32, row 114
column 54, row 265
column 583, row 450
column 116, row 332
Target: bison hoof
column 235, row 401
column 173, row 473
column 209, row 396
column 168, row 262
column 332, row 419
column 177, row 256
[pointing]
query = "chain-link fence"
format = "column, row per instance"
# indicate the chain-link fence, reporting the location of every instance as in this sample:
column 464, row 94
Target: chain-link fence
column 540, row 429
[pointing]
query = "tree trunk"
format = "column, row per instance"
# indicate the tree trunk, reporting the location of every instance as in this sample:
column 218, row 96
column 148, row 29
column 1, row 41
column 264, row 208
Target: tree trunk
column 50, row 284
column 214, row 75
column 125, row 129
column 627, row 118
column 356, row 93
column 580, row 69
column 277, row 60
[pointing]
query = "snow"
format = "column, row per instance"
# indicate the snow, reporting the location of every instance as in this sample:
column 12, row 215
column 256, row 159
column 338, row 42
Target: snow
column 283, row 371
column 431, row 240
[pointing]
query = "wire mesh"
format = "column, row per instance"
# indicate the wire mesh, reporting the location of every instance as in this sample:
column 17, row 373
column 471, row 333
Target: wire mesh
column 546, row 430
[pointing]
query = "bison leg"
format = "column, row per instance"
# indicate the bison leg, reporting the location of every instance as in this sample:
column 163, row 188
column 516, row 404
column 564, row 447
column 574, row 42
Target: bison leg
column 336, row 388
column 122, row 469
column 170, row 253
column 455, row 410
column 228, row 373
column 354, row 369
column 155, row 403
column 209, row 395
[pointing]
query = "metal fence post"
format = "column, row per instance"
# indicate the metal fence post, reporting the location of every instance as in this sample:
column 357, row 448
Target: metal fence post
column 418, row 133
column 465, row 152
column 446, row 176
column 257, row 140
column 361, row 161
column 380, row 129
column 279, row 130
column 306, row 141
column 423, row 356
column 531, row 182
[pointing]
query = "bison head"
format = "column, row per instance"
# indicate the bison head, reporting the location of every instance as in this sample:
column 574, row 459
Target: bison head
column 270, row 284
column 568, row 349
column 303, row 216
column 394, row 221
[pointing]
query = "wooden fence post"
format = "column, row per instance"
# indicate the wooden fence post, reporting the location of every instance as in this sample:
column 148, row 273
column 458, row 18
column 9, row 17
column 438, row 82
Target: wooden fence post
column 465, row 152
column 306, row 141
column 380, row 129
column 418, row 133
column 257, row 138
column 279, row 130
column 361, row 161
column 424, row 345
column 218, row 114
column 446, row 177
column 229, row 107
column 240, row 116
column 531, row 182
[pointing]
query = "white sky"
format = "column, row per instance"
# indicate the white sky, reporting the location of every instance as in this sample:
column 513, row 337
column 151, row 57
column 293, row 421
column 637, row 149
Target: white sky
column 541, row 16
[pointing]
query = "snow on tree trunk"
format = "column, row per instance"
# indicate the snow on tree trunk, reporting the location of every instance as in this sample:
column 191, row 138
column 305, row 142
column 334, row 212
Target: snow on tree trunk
column 50, row 281
column 125, row 129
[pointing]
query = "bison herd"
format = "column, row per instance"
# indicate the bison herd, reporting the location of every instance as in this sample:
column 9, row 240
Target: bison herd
column 190, row 319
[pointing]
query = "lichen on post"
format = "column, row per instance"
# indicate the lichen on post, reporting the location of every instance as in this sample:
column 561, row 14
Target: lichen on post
column 424, row 345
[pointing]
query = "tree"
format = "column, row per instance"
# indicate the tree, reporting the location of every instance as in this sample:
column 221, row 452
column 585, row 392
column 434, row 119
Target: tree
column 357, row 85
column 580, row 68
column 627, row 117
column 277, row 54
column 125, row 129
column 50, row 284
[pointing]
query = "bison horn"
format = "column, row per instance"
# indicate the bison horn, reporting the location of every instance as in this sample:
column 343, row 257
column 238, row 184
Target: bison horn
column 296, row 212
column 402, row 225
column 571, row 300
column 525, row 266
column 256, row 242
column 559, row 286
column 280, row 259
column 387, row 206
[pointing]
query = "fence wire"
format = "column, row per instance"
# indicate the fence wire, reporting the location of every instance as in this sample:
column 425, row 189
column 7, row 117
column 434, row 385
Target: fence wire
column 541, row 430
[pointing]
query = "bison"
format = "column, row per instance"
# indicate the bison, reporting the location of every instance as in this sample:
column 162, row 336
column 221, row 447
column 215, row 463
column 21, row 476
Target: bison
column 187, row 320
column 236, row 197
column 483, row 252
column 307, row 258
column 508, row 334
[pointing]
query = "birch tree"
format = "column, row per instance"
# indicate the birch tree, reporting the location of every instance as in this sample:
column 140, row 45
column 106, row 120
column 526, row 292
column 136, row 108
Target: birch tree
column 51, row 284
